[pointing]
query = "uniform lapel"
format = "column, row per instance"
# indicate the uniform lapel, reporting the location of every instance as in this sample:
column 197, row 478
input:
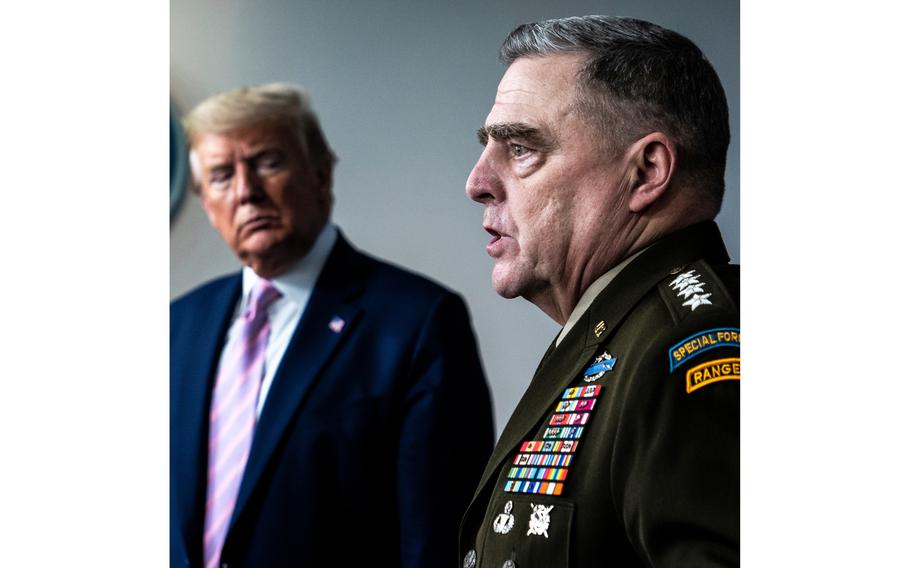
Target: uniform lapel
column 310, row 348
column 189, row 428
column 560, row 366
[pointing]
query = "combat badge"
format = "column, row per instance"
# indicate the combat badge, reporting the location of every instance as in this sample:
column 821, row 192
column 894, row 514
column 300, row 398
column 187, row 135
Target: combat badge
column 504, row 521
column 711, row 372
column 540, row 520
column 603, row 363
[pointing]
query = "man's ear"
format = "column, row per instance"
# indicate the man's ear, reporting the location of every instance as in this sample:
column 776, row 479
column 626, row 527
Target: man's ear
column 653, row 158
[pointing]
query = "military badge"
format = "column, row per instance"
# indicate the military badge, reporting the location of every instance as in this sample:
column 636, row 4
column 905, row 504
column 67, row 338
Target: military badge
column 504, row 521
column 697, row 300
column 563, row 433
column 603, row 363
column 538, row 487
column 685, row 279
column 590, row 390
column 540, row 520
column 581, row 392
column 470, row 559
column 692, row 289
column 569, row 418
column 711, row 372
column 701, row 342
column 587, row 404
column 543, row 459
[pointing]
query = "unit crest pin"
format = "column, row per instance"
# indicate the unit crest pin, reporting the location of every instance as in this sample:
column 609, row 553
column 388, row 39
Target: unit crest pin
column 504, row 521
column 603, row 363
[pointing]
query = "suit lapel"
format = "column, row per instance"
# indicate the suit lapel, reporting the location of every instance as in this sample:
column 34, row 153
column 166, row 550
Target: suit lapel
column 191, row 419
column 561, row 365
column 310, row 348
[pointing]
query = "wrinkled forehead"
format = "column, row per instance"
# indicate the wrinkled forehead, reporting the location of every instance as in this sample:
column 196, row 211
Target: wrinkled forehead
column 536, row 87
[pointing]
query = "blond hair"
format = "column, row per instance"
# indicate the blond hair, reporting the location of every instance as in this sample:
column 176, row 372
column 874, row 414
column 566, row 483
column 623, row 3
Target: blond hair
column 275, row 103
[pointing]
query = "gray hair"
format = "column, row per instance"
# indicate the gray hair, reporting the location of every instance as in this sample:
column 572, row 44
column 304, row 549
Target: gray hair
column 639, row 78
column 274, row 103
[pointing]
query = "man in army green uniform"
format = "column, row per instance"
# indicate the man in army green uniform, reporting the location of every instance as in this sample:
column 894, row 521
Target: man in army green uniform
column 602, row 172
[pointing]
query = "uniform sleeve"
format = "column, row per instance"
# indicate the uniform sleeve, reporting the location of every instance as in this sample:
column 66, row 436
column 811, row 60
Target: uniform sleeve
column 445, row 439
column 675, row 469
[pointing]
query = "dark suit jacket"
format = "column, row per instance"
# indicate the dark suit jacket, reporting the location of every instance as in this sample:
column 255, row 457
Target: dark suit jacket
column 653, row 471
column 371, row 440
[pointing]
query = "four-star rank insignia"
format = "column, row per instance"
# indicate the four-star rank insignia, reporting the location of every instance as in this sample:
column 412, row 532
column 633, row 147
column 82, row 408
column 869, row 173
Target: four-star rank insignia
column 603, row 363
column 688, row 284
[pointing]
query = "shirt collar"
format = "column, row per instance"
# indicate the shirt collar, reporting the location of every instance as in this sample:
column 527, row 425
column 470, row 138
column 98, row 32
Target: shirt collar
column 592, row 292
column 297, row 283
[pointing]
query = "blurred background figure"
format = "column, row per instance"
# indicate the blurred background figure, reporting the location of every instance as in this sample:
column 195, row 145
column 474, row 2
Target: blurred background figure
column 319, row 396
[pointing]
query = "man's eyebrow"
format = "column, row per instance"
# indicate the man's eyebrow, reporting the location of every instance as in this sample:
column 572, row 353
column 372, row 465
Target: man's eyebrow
column 259, row 153
column 515, row 130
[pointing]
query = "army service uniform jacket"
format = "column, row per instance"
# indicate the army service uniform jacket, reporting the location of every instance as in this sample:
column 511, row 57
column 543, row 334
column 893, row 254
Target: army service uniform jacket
column 624, row 450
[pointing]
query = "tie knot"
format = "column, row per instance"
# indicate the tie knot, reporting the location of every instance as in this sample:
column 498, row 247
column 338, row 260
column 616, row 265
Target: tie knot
column 263, row 295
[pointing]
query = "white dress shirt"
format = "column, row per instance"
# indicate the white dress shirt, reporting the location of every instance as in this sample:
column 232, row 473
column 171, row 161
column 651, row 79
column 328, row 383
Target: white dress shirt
column 296, row 286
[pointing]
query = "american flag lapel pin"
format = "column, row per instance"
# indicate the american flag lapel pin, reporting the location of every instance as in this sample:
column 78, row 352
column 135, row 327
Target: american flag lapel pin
column 337, row 324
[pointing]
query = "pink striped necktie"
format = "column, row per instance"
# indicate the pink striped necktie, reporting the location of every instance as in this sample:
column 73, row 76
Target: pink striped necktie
column 232, row 417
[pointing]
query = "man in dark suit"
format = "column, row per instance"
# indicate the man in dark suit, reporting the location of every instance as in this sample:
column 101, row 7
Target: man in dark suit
column 602, row 170
column 327, row 408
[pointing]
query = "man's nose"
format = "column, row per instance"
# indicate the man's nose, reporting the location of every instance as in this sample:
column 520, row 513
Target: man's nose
column 248, row 184
column 484, row 185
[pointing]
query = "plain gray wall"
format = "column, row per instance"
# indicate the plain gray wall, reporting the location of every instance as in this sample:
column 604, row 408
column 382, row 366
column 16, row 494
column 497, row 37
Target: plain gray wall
column 400, row 88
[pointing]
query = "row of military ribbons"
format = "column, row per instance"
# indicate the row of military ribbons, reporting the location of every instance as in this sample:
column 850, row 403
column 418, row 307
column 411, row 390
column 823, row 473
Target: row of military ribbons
column 541, row 466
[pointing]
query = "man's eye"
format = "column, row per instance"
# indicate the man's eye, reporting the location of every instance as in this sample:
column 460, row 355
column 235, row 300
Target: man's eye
column 518, row 150
column 220, row 175
column 269, row 162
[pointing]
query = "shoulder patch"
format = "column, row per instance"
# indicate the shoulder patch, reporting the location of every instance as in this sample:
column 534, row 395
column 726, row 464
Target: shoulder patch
column 701, row 342
column 712, row 372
